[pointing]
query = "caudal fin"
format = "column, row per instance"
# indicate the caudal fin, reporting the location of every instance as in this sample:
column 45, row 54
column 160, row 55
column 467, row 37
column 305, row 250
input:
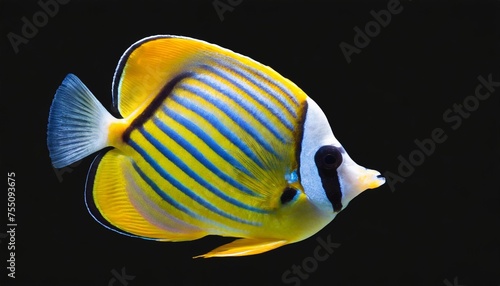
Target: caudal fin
column 78, row 123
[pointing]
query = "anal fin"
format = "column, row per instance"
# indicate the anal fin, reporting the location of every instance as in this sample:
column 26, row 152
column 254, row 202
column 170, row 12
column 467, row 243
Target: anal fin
column 113, row 199
column 243, row 247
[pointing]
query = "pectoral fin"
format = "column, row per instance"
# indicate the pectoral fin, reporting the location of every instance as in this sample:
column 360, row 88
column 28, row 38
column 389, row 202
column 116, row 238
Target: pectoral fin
column 244, row 246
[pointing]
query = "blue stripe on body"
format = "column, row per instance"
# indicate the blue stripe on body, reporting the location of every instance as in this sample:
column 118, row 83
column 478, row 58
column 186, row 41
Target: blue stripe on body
column 174, row 182
column 231, row 64
column 200, row 133
column 241, row 84
column 210, row 81
column 154, row 186
column 206, row 163
column 177, row 184
column 222, row 106
column 166, row 221
column 215, row 122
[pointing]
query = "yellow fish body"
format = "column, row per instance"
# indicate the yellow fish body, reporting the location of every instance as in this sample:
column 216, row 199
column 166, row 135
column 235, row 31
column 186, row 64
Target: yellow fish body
column 209, row 142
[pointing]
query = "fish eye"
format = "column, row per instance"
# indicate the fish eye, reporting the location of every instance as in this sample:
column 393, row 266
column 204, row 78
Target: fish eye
column 328, row 157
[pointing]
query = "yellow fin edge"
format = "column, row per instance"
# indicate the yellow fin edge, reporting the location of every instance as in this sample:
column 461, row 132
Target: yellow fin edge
column 243, row 247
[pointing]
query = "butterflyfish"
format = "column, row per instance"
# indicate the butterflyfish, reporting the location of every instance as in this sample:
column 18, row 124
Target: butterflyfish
column 204, row 141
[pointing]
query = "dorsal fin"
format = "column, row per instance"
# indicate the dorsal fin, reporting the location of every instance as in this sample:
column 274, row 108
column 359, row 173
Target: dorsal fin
column 149, row 64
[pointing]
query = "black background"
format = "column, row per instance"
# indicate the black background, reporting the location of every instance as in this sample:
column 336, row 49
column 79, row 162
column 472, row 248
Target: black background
column 440, row 226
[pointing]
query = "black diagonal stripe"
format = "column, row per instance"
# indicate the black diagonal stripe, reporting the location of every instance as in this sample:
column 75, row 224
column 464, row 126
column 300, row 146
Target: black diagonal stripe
column 154, row 105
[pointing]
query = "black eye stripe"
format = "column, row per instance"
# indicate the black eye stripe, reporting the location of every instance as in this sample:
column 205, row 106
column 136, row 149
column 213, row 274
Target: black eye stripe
column 333, row 192
column 327, row 159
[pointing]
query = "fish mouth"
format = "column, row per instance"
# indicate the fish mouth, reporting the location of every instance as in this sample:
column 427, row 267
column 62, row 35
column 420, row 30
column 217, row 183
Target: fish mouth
column 371, row 179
